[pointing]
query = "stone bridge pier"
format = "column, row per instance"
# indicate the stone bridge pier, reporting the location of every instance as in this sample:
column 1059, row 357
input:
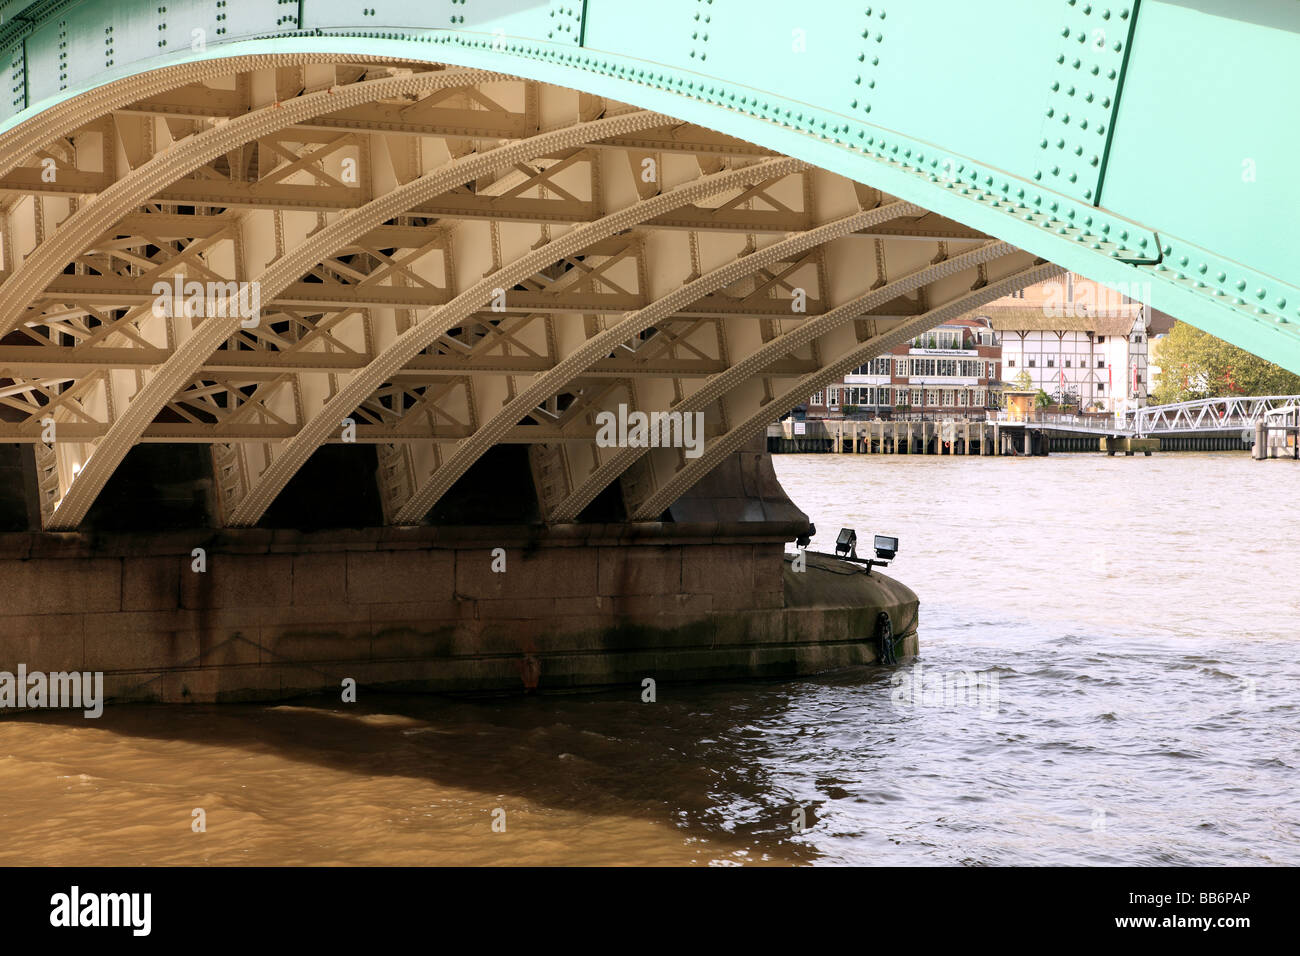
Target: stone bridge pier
column 257, row 614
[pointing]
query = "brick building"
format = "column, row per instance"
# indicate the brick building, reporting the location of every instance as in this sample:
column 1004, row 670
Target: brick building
column 952, row 370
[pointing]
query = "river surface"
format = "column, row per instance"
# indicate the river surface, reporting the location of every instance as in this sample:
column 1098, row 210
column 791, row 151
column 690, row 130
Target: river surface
column 1130, row 623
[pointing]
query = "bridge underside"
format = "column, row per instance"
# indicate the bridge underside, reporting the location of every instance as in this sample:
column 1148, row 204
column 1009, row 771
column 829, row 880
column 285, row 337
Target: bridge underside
column 434, row 261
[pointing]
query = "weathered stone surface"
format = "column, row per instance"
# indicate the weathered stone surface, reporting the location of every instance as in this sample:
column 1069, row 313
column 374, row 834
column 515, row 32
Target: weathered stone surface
column 431, row 613
column 516, row 609
column 722, row 570
column 540, row 573
column 142, row 640
column 643, row 607
column 414, row 638
column 319, row 578
column 44, row 642
column 153, row 584
column 394, row 577
column 234, row 580
column 319, row 643
column 322, row 632
column 51, row 586
column 639, row 570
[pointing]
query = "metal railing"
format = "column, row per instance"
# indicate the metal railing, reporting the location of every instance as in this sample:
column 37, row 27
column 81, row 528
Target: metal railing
column 1108, row 424
column 1207, row 414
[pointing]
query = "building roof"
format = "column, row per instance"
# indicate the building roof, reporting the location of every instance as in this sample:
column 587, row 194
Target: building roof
column 1037, row 320
column 1159, row 323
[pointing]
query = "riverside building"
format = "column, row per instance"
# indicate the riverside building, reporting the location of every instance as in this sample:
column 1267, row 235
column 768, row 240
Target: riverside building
column 1083, row 343
column 954, row 370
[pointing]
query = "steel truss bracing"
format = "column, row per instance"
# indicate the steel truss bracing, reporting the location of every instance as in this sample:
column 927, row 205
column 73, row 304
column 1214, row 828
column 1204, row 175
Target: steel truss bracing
column 1230, row 414
column 432, row 260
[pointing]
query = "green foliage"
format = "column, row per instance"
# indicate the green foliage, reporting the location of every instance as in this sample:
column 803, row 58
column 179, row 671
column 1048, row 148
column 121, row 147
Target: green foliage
column 1194, row 364
column 1042, row 399
column 1023, row 382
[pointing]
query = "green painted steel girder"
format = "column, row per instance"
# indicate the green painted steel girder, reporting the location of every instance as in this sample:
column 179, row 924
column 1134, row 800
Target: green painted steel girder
column 1142, row 143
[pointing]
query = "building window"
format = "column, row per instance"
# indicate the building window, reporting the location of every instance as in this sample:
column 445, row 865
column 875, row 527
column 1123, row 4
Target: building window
column 916, row 396
column 834, row 395
column 1011, row 363
column 1101, row 363
column 1051, row 363
column 900, row 367
column 1033, row 363
column 1067, row 363
column 816, row 399
column 1101, row 339
column 1101, row 388
column 1138, row 339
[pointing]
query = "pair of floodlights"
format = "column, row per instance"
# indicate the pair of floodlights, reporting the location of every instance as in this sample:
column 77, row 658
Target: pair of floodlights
column 846, row 545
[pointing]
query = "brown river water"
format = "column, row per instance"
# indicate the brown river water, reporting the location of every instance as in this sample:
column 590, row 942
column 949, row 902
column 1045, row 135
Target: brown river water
column 1132, row 621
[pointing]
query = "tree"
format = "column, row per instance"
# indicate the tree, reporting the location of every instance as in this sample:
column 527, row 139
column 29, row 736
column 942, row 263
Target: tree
column 1023, row 382
column 1042, row 399
column 1195, row 364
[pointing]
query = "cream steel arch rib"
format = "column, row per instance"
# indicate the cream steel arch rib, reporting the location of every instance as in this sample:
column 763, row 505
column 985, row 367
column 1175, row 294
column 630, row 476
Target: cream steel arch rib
column 753, row 424
column 803, row 334
column 91, row 220
column 190, row 356
column 19, row 142
column 547, row 383
column 410, row 343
